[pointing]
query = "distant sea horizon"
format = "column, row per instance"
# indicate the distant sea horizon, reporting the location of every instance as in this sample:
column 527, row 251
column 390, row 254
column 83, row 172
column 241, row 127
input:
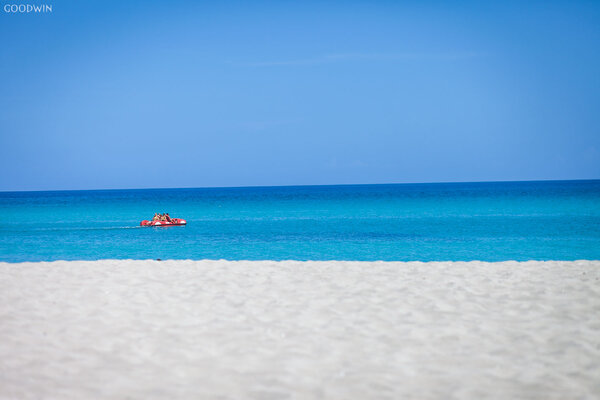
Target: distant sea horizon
column 442, row 221
column 300, row 185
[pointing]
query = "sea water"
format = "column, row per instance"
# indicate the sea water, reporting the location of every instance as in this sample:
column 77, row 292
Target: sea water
column 494, row 221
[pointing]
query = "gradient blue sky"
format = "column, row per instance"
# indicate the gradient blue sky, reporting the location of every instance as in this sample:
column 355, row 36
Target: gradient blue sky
column 139, row 94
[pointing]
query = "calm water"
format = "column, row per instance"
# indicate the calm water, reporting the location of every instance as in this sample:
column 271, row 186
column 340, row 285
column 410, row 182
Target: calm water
column 459, row 221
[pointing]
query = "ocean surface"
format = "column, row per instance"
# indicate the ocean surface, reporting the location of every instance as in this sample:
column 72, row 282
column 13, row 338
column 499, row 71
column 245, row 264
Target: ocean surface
column 492, row 221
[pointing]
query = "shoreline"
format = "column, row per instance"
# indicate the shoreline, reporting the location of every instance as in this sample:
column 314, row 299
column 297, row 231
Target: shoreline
column 299, row 329
column 224, row 260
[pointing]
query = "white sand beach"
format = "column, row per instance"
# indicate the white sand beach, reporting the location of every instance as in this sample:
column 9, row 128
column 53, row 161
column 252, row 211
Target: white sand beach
column 123, row 329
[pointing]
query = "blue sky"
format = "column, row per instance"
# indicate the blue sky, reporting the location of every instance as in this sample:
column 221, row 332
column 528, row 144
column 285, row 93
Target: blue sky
column 193, row 94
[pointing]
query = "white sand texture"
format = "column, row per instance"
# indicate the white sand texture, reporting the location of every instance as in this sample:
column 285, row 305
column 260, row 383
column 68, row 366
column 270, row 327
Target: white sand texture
column 299, row 330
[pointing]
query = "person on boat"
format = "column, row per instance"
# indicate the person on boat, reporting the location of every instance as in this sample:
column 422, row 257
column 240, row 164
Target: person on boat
column 167, row 217
column 156, row 217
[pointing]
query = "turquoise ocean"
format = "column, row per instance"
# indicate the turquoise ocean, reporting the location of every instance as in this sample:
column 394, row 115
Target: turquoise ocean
column 490, row 221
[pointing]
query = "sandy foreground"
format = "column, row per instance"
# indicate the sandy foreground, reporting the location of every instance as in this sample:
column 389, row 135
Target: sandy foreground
column 124, row 329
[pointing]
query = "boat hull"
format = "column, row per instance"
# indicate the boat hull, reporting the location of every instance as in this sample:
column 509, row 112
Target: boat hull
column 174, row 222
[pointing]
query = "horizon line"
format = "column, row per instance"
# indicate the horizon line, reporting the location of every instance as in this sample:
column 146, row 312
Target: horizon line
column 300, row 185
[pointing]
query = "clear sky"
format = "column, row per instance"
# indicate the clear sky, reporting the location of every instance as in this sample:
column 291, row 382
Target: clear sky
column 138, row 94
